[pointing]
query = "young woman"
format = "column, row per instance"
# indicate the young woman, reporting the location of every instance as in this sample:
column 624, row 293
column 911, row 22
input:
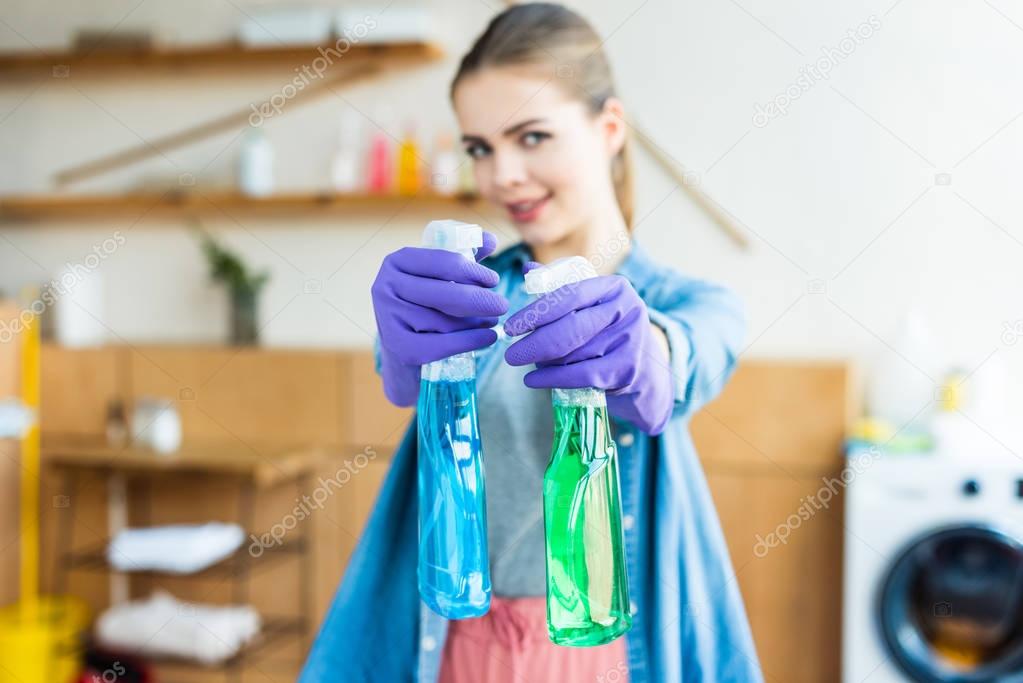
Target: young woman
column 540, row 118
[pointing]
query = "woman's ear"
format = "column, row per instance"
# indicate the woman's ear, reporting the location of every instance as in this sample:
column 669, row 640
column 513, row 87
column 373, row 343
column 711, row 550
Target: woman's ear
column 613, row 125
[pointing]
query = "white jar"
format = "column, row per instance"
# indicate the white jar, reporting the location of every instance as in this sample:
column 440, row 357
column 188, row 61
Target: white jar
column 156, row 424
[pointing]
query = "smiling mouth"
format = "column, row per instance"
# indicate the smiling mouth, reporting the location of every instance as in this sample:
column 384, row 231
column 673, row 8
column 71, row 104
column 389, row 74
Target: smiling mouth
column 527, row 211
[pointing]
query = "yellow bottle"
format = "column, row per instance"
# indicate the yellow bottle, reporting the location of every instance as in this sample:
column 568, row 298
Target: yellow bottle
column 409, row 181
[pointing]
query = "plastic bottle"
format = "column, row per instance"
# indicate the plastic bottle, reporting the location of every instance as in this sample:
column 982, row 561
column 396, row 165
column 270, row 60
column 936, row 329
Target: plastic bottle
column 408, row 163
column 344, row 166
column 901, row 392
column 466, row 178
column 256, row 165
column 587, row 588
column 444, row 169
column 454, row 569
column 380, row 155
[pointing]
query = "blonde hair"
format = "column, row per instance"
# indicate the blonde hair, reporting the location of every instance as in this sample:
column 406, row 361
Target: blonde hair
column 547, row 34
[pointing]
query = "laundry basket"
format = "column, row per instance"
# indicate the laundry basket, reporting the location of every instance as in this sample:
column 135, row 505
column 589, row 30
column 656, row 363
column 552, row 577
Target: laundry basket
column 42, row 642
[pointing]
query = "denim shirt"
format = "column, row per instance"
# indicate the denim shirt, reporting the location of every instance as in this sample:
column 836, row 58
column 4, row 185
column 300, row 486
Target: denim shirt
column 689, row 623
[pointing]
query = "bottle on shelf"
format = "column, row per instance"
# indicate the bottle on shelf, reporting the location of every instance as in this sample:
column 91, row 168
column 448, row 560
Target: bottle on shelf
column 380, row 161
column 344, row 166
column 256, row 164
column 408, row 178
column 444, row 170
column 466, row 177
column 117, row 424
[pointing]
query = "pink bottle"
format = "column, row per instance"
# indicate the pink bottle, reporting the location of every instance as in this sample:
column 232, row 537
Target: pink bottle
column 380, row 171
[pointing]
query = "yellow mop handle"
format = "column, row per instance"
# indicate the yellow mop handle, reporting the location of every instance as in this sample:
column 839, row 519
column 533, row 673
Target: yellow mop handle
column 30, row 467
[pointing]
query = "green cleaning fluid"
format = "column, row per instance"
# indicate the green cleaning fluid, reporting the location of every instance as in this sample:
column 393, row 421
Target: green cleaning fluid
column 587, row 586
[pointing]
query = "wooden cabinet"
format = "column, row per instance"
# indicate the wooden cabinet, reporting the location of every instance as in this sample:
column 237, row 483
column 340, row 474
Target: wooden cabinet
column 373, row 420
column 9, row 528
column 771, row 446
column 771, row 439
column 77, row 388
column 10, row 386
column 246, row 394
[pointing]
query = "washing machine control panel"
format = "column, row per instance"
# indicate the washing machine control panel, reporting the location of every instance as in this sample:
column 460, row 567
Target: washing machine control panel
column 1004, row 487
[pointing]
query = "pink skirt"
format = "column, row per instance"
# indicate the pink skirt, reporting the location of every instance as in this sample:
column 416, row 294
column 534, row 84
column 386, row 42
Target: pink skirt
column 510, row 644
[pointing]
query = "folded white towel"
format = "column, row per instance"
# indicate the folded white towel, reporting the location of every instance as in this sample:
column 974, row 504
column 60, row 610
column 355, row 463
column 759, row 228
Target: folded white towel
column 163, row 626
column 180, row 549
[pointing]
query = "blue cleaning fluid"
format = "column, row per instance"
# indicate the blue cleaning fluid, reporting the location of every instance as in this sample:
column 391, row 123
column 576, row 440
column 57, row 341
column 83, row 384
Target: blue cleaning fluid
column 454, row 569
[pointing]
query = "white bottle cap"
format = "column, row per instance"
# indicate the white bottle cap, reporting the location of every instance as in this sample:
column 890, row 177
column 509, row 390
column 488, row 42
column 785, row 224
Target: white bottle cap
column 564, row 271
column 463, row 238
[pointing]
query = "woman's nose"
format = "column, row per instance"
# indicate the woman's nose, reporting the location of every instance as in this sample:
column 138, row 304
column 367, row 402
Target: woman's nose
column 509, row 170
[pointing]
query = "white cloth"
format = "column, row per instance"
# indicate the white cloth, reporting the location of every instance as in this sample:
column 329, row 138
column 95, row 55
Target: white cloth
column 15, row 419
column 163, row 626
column 179, row 549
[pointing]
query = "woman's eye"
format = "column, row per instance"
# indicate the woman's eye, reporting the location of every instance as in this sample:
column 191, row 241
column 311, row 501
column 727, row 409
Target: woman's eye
column 534, row 138
column 477, row 151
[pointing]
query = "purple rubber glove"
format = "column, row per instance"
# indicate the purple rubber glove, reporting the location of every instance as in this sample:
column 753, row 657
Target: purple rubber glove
column 596, row 333
column 430, row 304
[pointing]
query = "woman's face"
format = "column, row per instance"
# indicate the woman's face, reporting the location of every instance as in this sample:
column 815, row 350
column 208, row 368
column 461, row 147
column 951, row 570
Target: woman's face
column 537, row 152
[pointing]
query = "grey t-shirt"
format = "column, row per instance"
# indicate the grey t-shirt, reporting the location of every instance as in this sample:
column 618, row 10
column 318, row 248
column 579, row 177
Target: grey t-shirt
column 517, row 428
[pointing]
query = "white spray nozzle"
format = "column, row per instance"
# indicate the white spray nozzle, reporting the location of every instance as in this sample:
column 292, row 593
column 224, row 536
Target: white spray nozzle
column 564, row 271
column 463, row 238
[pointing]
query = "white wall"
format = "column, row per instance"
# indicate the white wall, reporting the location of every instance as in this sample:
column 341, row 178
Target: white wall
column 842, row 188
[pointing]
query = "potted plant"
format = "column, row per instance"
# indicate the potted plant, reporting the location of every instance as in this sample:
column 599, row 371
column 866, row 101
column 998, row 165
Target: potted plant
column 243, row 287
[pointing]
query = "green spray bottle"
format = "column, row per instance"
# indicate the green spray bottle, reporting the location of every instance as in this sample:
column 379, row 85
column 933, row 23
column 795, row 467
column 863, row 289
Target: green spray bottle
column 587, row 587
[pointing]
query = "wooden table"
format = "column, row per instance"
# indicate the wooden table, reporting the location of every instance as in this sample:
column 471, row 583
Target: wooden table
column 265, row 465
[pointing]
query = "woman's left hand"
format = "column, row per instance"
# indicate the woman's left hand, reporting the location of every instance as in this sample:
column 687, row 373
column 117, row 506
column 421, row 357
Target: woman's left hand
column 596, row 333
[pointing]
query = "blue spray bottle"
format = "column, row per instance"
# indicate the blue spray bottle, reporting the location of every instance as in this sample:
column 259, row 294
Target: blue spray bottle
column 454, row 569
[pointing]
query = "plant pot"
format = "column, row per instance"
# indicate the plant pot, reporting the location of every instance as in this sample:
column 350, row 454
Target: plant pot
column 244, row 317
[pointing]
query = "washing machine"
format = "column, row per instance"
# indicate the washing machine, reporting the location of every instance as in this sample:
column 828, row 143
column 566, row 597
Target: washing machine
column 933, row 568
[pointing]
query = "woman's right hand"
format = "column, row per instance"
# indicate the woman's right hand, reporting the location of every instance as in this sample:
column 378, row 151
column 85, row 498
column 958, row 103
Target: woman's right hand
column 430, row 304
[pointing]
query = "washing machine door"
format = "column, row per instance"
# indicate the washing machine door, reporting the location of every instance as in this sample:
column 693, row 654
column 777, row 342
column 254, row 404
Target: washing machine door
column 951, row 607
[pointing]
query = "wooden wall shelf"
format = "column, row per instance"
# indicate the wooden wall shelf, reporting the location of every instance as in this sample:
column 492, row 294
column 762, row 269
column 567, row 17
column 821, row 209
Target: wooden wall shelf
column 230, row 54
column 39, row 207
